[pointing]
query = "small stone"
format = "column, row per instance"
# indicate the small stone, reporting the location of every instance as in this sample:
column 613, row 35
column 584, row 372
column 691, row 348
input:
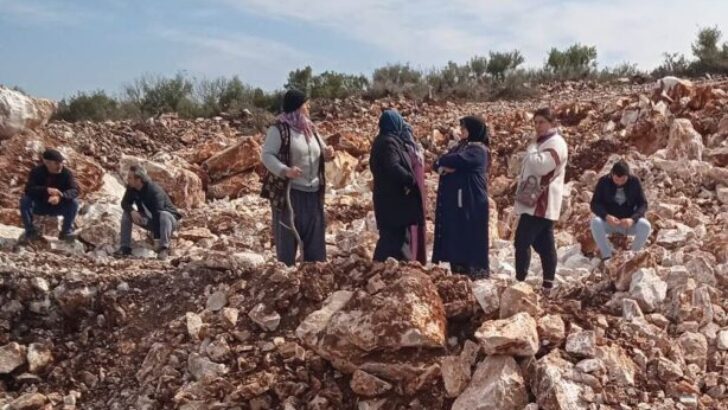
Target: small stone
column 486, row 293
column 40, row 284
column 722, row 340
column 231, row 316
column 367, row 385
column 582, row 343
column 39, row 357
column 266, row 320
column 29, row 401
column 695, row 348
column 631, row 310
column 455, row 375
column 194, row 325
column 12, row 356
column 497, row 384
column 202, row 368
column 551, row 329
column 667, row 370
column 216, row 301
column 218, row 350
column 590, row 365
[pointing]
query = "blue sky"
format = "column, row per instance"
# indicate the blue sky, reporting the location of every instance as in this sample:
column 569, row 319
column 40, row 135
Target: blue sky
column 53, row 48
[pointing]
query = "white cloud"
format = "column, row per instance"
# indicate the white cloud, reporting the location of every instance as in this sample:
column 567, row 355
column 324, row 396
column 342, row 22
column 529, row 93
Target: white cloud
column 430, row 32
column 253, row 58
column 40, row 12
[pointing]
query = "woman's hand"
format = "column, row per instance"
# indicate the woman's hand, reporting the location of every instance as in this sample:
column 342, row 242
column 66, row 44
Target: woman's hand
column 293, row 173
column 329, row 153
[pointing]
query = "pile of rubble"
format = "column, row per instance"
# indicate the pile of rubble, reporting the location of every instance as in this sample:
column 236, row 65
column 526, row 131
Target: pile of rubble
column 223, row 326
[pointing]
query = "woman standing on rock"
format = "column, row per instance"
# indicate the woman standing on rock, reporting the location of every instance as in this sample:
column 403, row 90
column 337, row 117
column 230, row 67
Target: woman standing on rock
column 538, row 198
column 397, row 195
column 294, row 154
column 461, row 219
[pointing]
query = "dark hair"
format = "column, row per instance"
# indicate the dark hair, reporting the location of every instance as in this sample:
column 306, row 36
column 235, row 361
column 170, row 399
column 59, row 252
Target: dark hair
column 53, row 155
column 139, row 172
column 545, row 113
column 620, row 169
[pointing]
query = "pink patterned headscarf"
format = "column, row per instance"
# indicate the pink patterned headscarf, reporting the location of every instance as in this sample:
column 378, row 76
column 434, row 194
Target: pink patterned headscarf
column 299, row 122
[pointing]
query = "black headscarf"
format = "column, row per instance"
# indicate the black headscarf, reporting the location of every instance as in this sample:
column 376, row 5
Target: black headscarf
column 477, row 129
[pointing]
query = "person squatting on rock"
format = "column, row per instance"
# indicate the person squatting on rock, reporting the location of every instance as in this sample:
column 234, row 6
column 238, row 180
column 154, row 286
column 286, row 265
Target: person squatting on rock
column 147, row 205
column 538, row 198
column 294, row 153
column 51, row 190
column 461, row 220
column 619, row 206
column 398, row 203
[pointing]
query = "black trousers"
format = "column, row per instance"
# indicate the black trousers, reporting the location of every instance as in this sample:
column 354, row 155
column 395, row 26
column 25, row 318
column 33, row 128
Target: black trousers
column 537, row 233
column 310, row 223
column 393, row 243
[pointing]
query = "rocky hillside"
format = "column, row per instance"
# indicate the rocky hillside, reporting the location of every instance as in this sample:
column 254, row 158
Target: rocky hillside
column 222, row 326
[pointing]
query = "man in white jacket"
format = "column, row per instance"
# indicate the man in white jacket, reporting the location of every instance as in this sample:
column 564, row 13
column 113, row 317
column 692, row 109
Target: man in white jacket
column 546, row 161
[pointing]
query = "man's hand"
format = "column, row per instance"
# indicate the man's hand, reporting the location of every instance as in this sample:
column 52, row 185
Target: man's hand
column 626, row 223
column 137, row 218
column 54, row 192
column 446, row 170
column 329, row 153
column 611, row 220
column 294, row 173
column 54, row 200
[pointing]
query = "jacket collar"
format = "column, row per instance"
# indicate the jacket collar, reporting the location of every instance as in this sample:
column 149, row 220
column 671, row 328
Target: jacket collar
column 544, row 138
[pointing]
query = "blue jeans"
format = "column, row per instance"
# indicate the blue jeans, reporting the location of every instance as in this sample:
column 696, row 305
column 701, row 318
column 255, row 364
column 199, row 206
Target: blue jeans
column 67, row 208
column 601, row 229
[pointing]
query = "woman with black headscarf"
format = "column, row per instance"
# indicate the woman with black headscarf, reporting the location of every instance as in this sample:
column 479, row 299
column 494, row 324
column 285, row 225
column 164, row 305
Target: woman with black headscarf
column 397, row 194
column 461, row 219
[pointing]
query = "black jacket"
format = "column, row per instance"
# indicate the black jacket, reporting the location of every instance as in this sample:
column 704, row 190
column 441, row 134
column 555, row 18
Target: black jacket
column 39, row 180
column 153, row 197
column 397, row 198
column 603, row 202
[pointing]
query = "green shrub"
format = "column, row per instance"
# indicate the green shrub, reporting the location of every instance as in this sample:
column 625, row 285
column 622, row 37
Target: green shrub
column 577, row 61
column 96, row 106
column 501, row 63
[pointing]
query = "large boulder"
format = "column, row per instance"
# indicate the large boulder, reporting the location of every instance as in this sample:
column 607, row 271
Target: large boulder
column 100, row 225
column 684, row 142
column 648, row 289
column 341, row 170
column 623, row 265
column 518, row 298
column 515, row 336
column 407, row 312
column 18, row 112
column 553, row 384
column 235, row 186
column 241, row 157
column 456, row 370
column 620, row 367
column 182, row 185
column 496, row 385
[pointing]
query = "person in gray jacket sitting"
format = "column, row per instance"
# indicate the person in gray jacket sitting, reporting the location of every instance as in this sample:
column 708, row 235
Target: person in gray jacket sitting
column 294, row 151
column 145, row 204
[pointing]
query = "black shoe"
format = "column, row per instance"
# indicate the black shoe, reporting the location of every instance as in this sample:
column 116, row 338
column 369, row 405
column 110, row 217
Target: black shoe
column 479, row 274
column 163, row 254
column 67, row 237
column 28, row 237
column 122, row 252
